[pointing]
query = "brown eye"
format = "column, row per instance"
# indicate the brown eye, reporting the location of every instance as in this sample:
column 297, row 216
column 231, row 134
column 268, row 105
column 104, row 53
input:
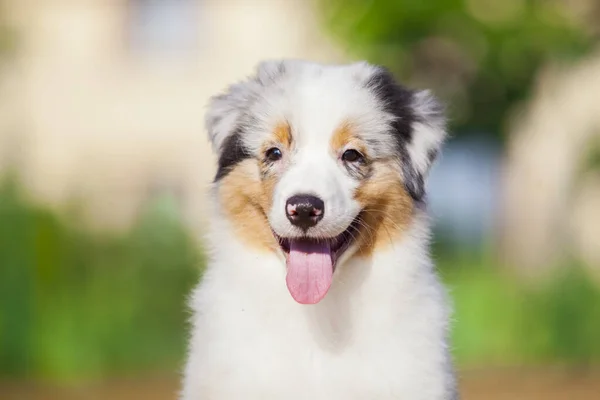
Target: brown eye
column 274, row 154
column 352, row 155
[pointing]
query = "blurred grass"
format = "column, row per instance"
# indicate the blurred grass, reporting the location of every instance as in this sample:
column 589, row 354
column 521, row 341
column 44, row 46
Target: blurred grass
column 500, row 321
column 76, row 304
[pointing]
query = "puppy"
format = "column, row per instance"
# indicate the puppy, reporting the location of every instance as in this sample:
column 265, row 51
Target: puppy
column 319, row 284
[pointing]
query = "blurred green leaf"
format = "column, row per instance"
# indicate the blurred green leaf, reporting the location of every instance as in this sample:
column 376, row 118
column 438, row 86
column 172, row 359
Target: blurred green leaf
column 480, row 56
column 74, row 303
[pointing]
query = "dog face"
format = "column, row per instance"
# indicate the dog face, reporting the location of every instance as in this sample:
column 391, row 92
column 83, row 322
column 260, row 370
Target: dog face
column 321, row 163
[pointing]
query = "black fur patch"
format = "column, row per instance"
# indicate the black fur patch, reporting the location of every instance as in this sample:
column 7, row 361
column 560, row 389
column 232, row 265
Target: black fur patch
column 359, row 171
column 232, row 153
column 432, row 155
column 413, row 181
column 397, row 101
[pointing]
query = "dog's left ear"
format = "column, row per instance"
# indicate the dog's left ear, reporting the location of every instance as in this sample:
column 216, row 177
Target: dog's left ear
column 418, row 126
column 428, row 132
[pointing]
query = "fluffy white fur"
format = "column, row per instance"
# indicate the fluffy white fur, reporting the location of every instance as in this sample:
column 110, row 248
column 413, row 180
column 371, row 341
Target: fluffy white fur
column 381, row 331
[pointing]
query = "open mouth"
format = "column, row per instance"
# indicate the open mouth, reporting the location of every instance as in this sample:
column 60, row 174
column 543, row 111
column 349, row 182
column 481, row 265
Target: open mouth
column 311, row 262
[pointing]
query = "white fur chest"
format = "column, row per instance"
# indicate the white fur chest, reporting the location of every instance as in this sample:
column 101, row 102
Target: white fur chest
column 379, row 333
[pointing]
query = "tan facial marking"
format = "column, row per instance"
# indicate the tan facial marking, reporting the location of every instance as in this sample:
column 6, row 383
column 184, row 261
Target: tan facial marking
column 247, row 193
column 387, row 208
column 283, row 134
column 342, row 136
column 246, row 200
column 345, row 137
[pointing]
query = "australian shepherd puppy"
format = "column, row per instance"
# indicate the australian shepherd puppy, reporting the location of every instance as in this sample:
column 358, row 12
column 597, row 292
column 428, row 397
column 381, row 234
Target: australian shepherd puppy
column 319, row 284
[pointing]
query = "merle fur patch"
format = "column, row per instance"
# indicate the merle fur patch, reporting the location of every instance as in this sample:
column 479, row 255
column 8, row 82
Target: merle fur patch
column 397, row 101
column 232, row 153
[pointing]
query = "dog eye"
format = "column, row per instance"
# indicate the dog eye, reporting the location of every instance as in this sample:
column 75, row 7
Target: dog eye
column 352, row 155
column 274, row 154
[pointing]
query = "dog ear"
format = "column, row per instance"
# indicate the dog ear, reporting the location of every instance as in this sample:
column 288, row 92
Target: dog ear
column 418, row 127
column 228, row 115
column 428, row 135
column 421, row 147
column 225, row 112
column 228, row 112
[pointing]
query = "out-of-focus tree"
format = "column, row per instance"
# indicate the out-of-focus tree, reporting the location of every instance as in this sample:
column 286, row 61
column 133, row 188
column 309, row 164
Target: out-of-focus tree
column 480, row 56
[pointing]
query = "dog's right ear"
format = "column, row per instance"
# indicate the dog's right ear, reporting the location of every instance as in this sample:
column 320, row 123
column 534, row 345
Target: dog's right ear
column 225, row 112
column 228, row 112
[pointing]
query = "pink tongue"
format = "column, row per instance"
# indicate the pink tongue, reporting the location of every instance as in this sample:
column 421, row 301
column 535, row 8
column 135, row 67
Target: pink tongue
column 309, row 271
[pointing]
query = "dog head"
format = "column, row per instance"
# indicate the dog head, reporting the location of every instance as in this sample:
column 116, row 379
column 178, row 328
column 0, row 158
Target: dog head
column 322, row 163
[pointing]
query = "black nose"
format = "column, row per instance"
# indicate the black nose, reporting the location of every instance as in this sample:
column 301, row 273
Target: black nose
column 304, row 210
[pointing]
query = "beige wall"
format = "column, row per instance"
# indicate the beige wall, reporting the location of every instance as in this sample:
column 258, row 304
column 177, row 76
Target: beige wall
column 97, row 121
column 551, row 198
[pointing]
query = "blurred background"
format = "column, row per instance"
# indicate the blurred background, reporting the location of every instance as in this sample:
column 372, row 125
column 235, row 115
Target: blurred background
column 104, row 166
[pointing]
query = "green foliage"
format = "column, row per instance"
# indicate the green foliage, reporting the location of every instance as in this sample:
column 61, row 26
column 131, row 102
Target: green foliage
column 74, row 303
column 501, row 321
column 480, row 56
